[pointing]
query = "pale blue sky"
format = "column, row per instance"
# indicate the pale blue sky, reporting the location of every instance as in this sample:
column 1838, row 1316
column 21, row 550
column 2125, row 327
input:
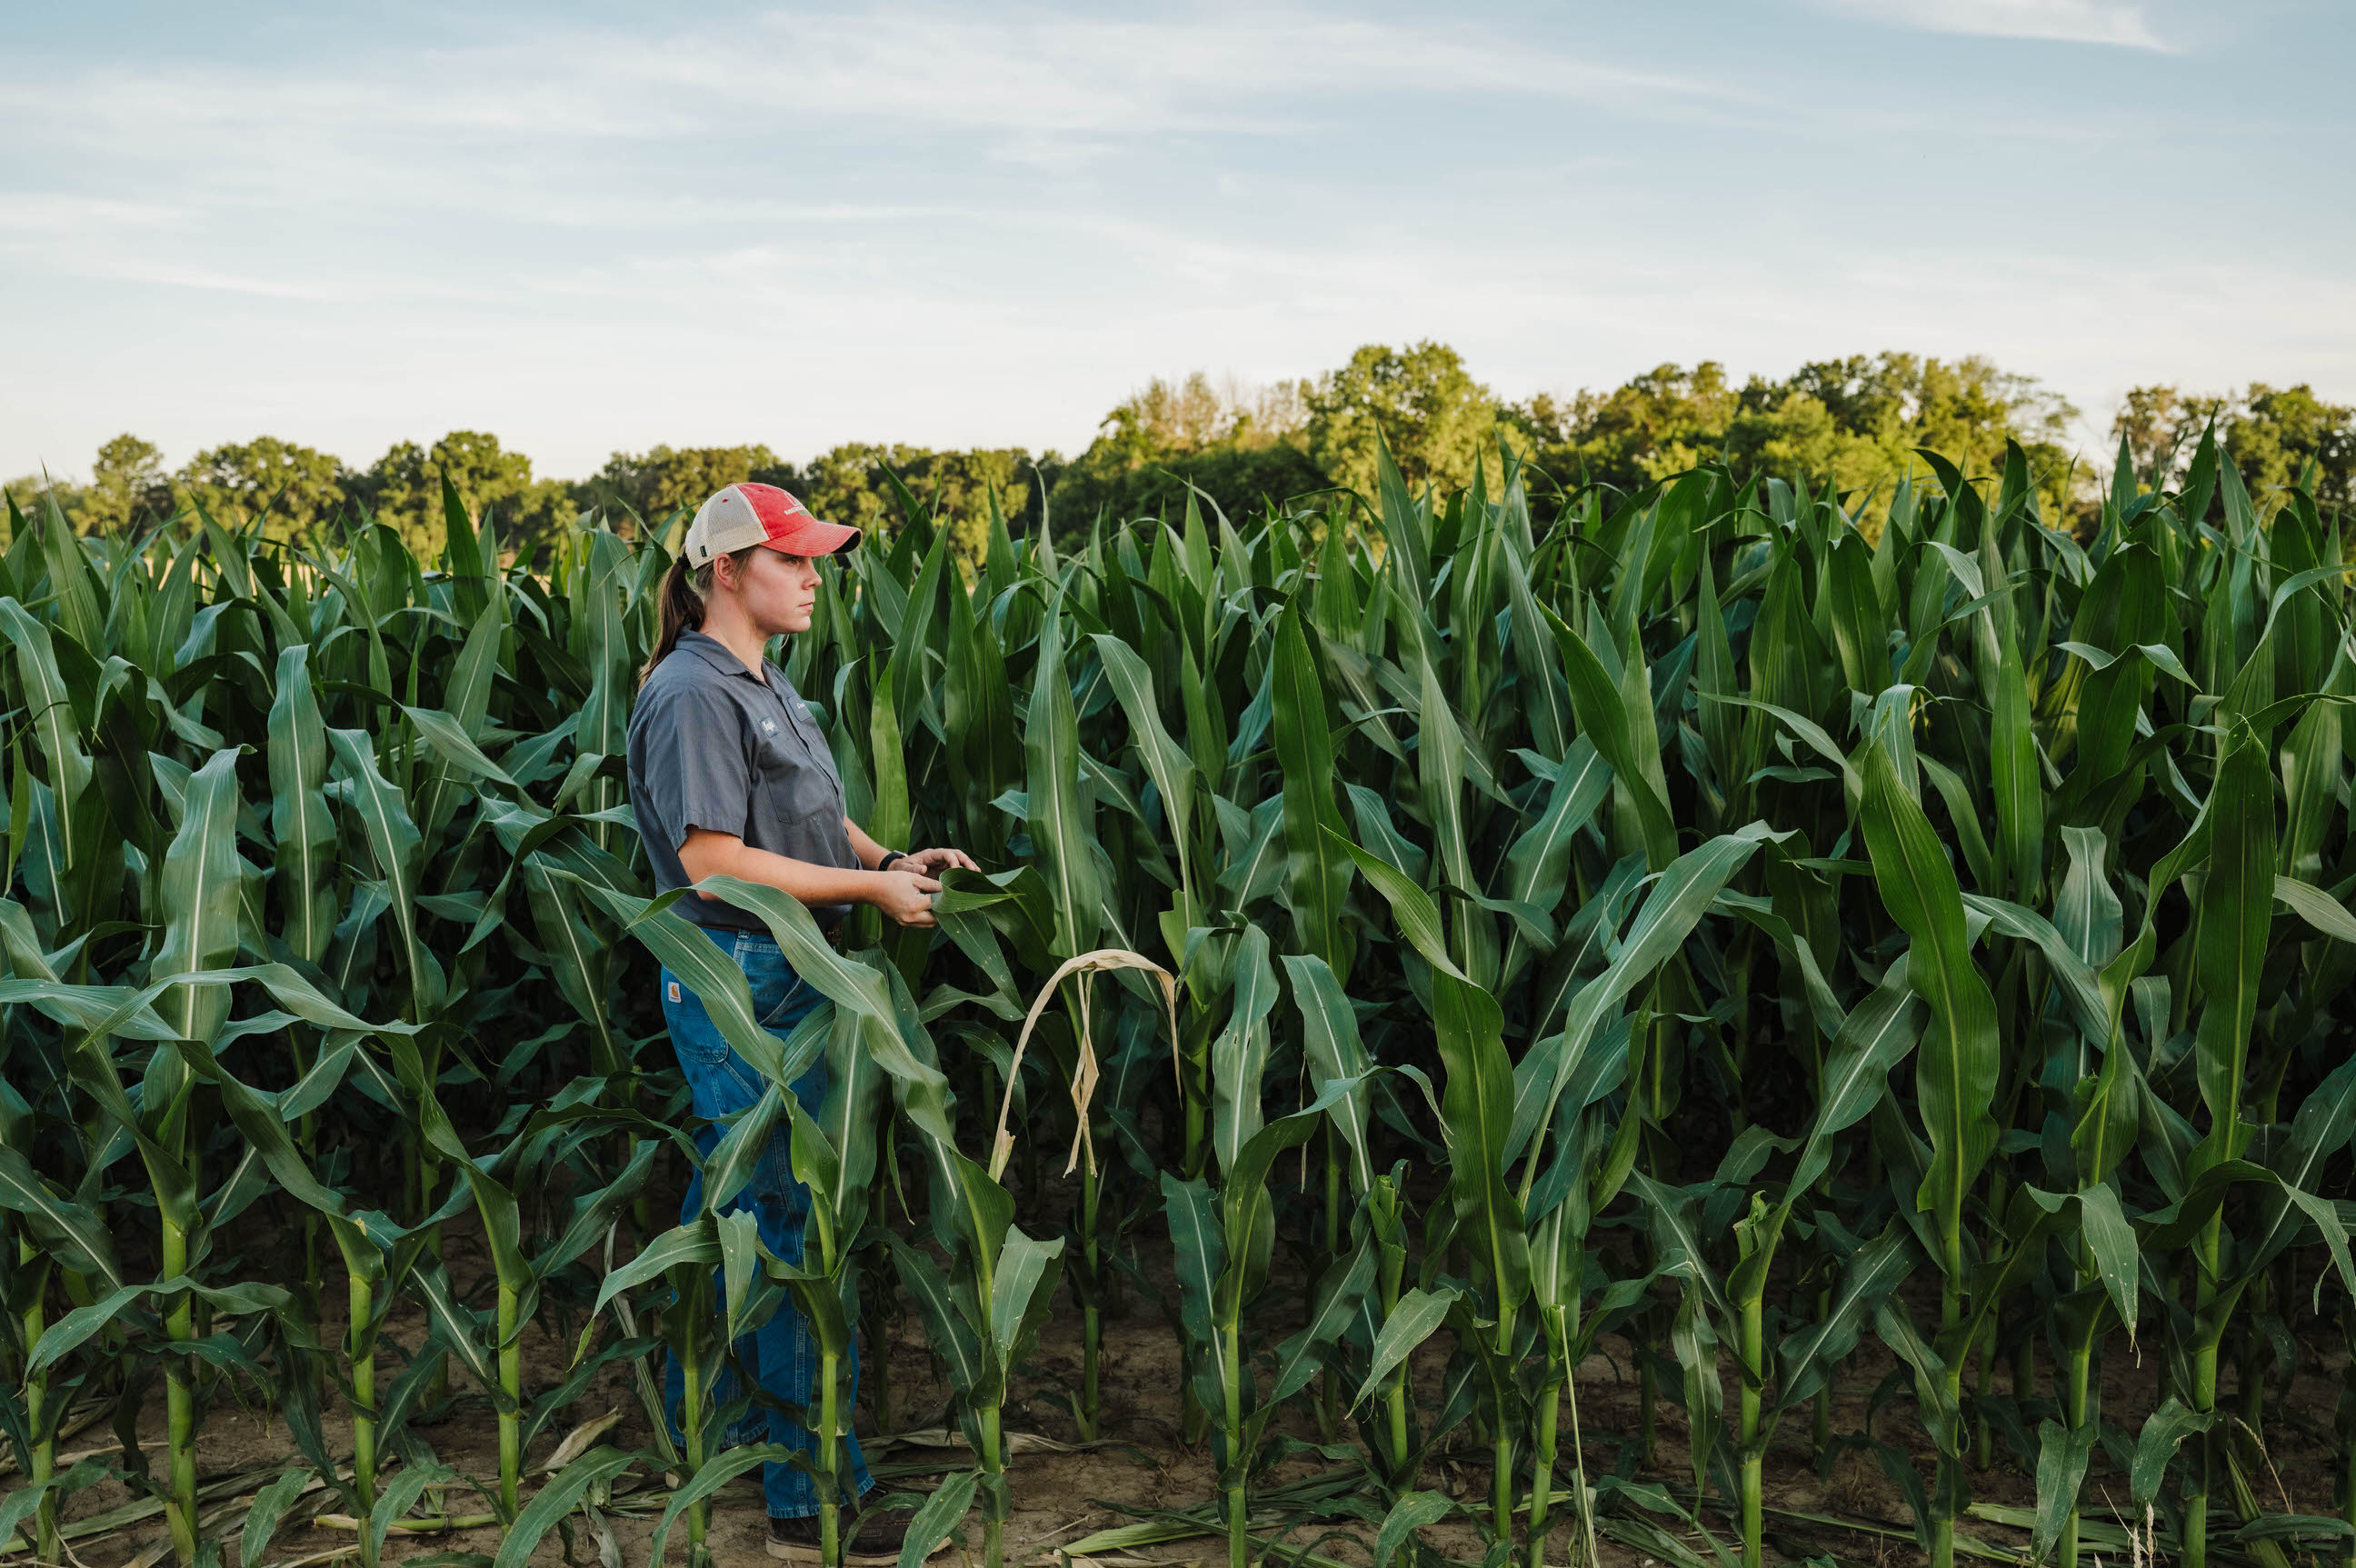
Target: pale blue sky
column 589, row 226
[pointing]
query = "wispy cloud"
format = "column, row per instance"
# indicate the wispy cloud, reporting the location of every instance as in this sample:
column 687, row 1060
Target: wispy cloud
column 1025, row 78
column 2057, row 21
column 754, row 128
column 959, row 223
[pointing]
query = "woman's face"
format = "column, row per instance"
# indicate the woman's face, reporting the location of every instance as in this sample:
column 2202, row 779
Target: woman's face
column 779, row 590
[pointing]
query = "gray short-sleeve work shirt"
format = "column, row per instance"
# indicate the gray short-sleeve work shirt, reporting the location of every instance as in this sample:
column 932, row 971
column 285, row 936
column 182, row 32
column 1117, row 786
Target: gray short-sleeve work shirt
column 714, row 747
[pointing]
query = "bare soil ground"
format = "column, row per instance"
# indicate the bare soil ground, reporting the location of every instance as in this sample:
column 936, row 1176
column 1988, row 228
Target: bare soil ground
column 1141, row 1463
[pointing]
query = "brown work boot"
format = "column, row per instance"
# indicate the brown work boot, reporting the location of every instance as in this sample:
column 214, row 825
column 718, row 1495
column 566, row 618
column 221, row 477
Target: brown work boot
column 874, row 1541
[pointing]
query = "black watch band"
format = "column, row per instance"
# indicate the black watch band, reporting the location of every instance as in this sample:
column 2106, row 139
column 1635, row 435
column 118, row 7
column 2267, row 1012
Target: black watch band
column 885, row 864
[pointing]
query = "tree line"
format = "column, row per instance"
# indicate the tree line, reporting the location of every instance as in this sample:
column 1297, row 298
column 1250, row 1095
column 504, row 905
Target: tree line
column 1854, row 424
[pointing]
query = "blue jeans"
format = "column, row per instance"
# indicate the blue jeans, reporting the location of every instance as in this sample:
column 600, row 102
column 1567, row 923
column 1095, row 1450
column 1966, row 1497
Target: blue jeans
column 782, row 1354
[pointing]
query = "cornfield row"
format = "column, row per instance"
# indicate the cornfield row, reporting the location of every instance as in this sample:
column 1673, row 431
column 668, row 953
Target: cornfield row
column 1704, row 920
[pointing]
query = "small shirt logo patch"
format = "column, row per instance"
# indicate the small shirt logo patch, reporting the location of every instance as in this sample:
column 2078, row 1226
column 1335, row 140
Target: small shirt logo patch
column 769, row 726
column 671, row 989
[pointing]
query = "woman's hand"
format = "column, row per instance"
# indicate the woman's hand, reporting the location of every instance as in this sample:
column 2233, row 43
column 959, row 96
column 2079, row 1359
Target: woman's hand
column 933, row 862
column 906, row 895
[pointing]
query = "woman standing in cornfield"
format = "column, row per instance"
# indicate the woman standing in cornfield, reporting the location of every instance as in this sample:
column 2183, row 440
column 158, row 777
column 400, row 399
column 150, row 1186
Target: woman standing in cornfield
column 729, row 776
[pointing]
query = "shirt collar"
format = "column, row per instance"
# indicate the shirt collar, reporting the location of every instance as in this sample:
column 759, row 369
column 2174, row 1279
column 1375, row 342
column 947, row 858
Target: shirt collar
column 714, row 653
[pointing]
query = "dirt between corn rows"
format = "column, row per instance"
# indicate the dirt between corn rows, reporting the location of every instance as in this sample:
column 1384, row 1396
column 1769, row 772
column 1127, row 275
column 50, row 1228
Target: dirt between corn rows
column 1142, row 1464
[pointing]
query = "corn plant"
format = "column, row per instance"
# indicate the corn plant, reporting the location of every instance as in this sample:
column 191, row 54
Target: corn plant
column 1584, row 871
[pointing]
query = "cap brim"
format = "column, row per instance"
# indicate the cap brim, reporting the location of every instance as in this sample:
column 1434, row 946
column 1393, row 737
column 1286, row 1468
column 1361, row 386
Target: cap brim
column 815, row 538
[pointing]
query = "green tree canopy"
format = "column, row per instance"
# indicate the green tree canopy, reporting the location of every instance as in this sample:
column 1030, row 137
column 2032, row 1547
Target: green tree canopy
column 2273, row 434
column 403, row 491
column 1855, row 422
column 1440, row 422
column 1240, row 445
column 296, row 487
column 848, row 484
column 665, row 479
column 1658, row 424
column 2276, row 432
column 128, row 486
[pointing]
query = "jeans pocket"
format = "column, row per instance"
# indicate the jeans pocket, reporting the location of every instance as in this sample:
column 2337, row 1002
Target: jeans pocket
column 789, row 1007
column 779, row 995
column 693, row 1035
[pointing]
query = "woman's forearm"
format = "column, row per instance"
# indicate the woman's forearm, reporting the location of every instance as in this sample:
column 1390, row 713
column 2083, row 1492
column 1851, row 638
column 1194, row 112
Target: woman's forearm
column 720, row 854
column 869, row 852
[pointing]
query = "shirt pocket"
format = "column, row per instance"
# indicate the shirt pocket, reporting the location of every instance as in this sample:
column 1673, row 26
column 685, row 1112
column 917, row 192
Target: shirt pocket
column 796, row 782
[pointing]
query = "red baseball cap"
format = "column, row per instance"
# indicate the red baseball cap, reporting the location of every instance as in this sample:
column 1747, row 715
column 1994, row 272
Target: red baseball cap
column 741, row 515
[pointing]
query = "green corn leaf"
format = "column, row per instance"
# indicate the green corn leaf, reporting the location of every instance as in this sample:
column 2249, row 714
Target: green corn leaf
column 2156, row 1444
column 81, row 610
column 267, row 1512
column 1537, row 867
column 1893, row 1325
column 888, row 824
column 1418, row 1316
column 1239, row 1055
column 696, row 1246
column 1411, row 906
column 1340, row 1295
column 2332, row 1226
column 818, row 1162
column 731, row 1161
column 395, row 847
column 94, row 1010
column 701, row 967
column 2317, row 908
column 2080, row 986
column 448, row 737
column 741, row 1257
column 1873, row 1039
column 1675, row 905
column 301, row 824
column 1694, row 1342
column 2321, row 1127
column 1623, row 732
column 1808, row 1355
column 594, row 1215
column 1315, row 871
column 938, row 1516
column 579, row 958
column 69, row 1333
column 2014, row 770
column 2111, row 1242
column 1166, row 762
column 1062, row 819
column 561, row 1495
column 202, row 873
column 2236, row 913
column 1477, row 1111
column 950, row 1315
column 1021, row 1289
column 1329, row 1027
column 1958, row 1061
column 1679, row 1242
column 2061, row 1458
column 461, row 1332
column 1860, row 636
column 1201, row 1261
column 1410, row 1513
column 2085, row 910
column 399, row 1495
column 1439, row 769
column 75, row 1233
column 51, row 715
column 1545, row 696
